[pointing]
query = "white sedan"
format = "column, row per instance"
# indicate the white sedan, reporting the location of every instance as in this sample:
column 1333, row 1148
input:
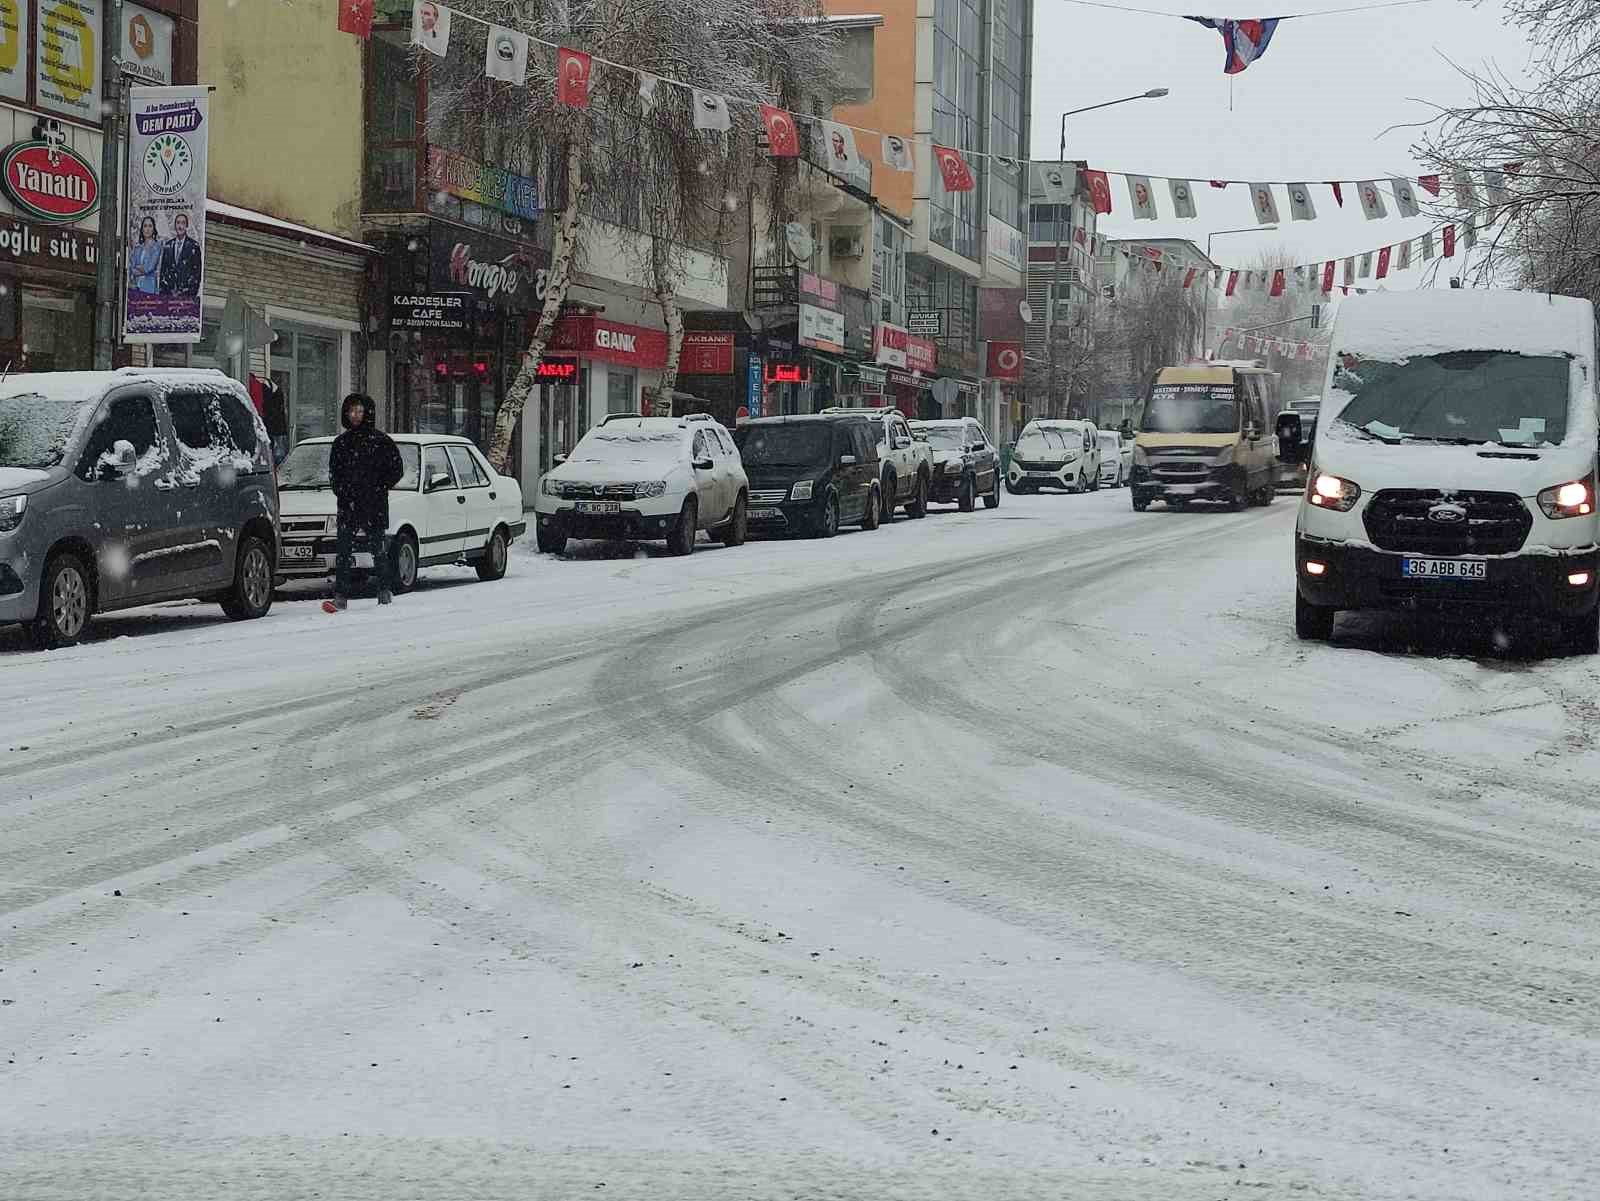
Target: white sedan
column 449, row 507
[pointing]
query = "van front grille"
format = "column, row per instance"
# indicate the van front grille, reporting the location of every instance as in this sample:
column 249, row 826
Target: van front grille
column 1489, row 523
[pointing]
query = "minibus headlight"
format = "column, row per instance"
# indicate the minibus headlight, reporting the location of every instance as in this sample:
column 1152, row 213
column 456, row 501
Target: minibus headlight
column 1572, row 499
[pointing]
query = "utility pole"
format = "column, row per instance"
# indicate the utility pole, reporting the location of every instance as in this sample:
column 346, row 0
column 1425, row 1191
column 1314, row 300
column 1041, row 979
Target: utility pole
column 108, row 271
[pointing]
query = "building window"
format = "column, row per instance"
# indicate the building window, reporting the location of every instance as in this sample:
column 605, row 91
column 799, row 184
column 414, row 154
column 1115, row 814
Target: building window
column 393, row 136
column 305, row 364
column 622, row 387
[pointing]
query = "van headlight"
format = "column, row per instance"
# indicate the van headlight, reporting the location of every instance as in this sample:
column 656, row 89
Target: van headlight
column 1140, row 459
column 1224, row 457
column 1070, row 457
column 802, row 490
column 1332, row 492
column 1572, row 499
column 11, row 510
column 651, row 489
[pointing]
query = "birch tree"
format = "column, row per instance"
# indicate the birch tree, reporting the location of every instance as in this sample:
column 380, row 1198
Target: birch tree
column 642, row 156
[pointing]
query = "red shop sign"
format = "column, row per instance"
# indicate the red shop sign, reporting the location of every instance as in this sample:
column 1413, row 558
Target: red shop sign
column 921, row 354
column 1005, row 360
column 50, row 183
column 706, row 353
column 610, row 341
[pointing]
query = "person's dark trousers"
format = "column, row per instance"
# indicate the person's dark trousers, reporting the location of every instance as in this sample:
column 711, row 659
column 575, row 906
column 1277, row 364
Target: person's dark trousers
column 374, row 539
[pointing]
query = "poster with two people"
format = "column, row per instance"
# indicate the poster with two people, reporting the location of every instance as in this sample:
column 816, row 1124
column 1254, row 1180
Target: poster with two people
column 166, row 229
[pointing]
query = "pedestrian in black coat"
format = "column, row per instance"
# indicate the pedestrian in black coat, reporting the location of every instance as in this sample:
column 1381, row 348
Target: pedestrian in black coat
column 363, row 465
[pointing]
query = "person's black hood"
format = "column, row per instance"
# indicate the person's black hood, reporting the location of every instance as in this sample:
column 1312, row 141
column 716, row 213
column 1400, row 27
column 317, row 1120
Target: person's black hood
column 370, row 409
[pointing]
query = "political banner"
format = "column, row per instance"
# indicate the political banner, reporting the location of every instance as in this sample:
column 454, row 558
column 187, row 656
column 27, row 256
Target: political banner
column 166, row 214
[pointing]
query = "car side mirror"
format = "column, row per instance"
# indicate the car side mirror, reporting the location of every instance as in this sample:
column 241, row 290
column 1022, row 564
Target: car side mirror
column 558, row 459
column 124, row 460
column 703, row 464
column 847, row 460
column 438, row 480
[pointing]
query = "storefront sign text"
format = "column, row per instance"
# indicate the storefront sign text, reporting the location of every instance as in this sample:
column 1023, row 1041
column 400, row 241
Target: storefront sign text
column 556, row 371
column 825, row 290
column 927, row 322
column 504, row 273
column 611, row 341
column 165, row 222
column 57, row 248
column 754, row 386
column 1005, row 244
column 1005, row 361
column 822, row 329
column 889, row 344
column 441, row 311
column 921, row 354
column 787, row 373
column 51, row 183
column 494, row 187
column 706, row 353
column 67, row 76
column 146, row 44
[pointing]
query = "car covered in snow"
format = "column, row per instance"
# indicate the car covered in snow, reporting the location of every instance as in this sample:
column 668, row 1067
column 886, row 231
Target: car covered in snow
column 1055, row 454
column 812, row 474
column 646, row 479
column 1454, row 464
column 449, row 507
column 966, row 464
column 1116, row 458
column 121, row 488
column 905, row 464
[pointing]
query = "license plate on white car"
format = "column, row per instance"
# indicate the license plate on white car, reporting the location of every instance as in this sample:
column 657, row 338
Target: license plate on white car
column 299, row 552
column 598, row 506
column 1444, row 569
column 1040, row 475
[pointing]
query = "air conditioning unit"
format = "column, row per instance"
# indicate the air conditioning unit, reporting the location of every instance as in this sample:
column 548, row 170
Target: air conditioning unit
column 845, row 246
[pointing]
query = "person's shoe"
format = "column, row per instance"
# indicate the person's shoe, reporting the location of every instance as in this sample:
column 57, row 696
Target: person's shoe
column 385, row 597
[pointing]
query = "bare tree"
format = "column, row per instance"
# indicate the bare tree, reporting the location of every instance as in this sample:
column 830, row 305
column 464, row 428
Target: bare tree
column 1285, row 317
column 1153, row 322
column 643, row 158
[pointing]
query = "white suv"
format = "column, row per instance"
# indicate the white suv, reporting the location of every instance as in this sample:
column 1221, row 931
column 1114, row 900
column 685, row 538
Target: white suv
column 907, row 464
column 646, row 479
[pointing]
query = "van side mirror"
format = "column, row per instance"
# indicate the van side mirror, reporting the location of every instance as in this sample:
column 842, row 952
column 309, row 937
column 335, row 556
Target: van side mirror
column 558, row 459
column 122, row 462
column 704, row 464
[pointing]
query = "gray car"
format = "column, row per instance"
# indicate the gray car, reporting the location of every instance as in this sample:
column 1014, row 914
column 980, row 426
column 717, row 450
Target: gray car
column 121, row 488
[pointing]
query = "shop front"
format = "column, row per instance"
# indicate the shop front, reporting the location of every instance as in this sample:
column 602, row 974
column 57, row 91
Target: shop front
column 714, row 367
column 910, row 363
column 606, row 365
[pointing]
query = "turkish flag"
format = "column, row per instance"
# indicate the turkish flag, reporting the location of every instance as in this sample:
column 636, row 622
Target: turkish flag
column 1338, row 193
column 1219, row 183
column 1327, row 276
column 1383, row 262
column 1449, row 241
column 572, row 77
column 355, row 16
column 1233, row 282
column 1099, row 189
column 783, row 138
column 1188, row 277
column 1005, row 360
column 1277, row 282
column 954, row 171
column 1430, row 184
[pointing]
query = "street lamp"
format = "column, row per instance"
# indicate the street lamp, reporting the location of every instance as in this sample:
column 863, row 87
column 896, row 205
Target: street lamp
column 1205, row 314
column 1055, row 273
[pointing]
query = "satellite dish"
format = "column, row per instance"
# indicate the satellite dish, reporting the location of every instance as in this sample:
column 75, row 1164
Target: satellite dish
column 799, row 239
column 1025, row 311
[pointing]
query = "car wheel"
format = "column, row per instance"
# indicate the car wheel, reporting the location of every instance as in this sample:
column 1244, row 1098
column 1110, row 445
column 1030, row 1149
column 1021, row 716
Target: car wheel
column 1140, row 506
column 1581, row 635
column 403, row 562
column 549, row 541
column 992, row 500
column 66, row 601
column 1314, row 623
column 828, row 523
column 681, row 540
column 251, row 594
column 738, row 527
column 495, row 557
column 919, row 507
column 890, row 490
column 872, row 516
column 968, row 498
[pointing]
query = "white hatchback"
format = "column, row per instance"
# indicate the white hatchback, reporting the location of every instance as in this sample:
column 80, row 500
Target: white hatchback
column 646, row 479
column 450, row 506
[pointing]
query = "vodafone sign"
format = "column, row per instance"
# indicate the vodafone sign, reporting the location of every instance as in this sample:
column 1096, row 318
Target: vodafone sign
column 1005, row 361
column 49, row 183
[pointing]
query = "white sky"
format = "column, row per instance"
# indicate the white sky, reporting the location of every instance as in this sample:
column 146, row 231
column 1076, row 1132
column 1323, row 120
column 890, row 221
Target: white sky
column 1315, row 107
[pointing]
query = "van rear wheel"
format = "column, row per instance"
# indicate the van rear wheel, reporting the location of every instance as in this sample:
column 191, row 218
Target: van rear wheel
column 66, row 602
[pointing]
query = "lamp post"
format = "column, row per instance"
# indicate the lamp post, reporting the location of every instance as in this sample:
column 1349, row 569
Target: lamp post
column 1055, row 270
column 1205, row 315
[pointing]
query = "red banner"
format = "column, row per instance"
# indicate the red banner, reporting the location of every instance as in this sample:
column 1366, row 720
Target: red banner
column 921, row 354
column 1005, row 361
column 706, row 353
column 610, row 341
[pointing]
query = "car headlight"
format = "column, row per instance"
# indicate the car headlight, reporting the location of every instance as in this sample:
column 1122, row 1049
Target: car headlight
column 802, row 490
column 1071, row 458
column 11, row 510
column 1223, row 457
column 1331, row 492
column 550, row 487
column 653, row 488
column 1140, row 459
column 1572, row 499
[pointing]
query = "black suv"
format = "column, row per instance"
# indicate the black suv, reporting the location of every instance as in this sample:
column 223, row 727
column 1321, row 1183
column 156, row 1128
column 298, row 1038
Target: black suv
column 811, row 474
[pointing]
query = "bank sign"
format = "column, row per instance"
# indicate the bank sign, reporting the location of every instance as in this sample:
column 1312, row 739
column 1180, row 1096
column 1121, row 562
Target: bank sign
column 49, row 183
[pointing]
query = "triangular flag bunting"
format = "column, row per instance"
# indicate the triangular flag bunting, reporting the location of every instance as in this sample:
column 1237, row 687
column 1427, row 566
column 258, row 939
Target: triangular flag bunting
column 955, row 173
column 1277, row 282
column 1266, row 206
column 1099, row 190
column 1144, row 202
column 1371, row 200
column 1233, row 283
column 1429, row 184
column 1449, row 241
column 783, row 138
column 711, row 112
column 897, row 153
column 647, row 89
column 1301, row 207
column 839, row 147
column 355, row 17
column 430, row 27
column 1383, row 263
column 505, row 56
column 1405, row 200
column 572, row 77
column 1338, row 193
column 1182, row 198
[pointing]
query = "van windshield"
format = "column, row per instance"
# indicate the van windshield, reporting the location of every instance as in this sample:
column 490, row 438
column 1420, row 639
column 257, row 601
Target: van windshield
column 34, row 429
column 1191, row 409
column 1038, row 441
column 1464, row 396
column 784, row 445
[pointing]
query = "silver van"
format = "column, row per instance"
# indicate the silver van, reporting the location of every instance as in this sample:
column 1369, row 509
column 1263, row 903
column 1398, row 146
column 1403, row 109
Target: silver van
column 121, row 488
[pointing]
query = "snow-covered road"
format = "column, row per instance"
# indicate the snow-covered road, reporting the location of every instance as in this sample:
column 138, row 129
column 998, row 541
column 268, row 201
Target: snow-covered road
column 1012, row 854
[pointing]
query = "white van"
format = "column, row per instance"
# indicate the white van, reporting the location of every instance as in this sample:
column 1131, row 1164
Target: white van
column 1454, row 463
column 1055, row 454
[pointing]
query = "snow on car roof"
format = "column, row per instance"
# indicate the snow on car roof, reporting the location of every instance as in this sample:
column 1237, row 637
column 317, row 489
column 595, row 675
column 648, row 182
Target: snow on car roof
column 408, row 439
column 1396, row 325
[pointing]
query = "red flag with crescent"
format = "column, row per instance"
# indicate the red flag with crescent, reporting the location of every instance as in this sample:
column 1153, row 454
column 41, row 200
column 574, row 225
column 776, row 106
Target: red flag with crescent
column 572, row 77
column 953, row 170
column 1099, row 189
column 1429, row 183
column 1278, row 282
column 1449, row 241
column 355, row 17
column 1327, row 276
column 783, row 139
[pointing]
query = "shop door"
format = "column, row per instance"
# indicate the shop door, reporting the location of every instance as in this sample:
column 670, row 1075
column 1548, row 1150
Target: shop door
column 305, row 364
column 45, row 329
column 562, row 419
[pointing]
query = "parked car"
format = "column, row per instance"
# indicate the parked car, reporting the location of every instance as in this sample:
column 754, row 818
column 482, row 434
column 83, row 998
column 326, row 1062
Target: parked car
column 1055, row 454
column 449, row 507
column 1116, row 458
column 905, row 464
column 120, row 488
column 1455, row 463
column 646, row 479
column 812, row 474
column 965, row 463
